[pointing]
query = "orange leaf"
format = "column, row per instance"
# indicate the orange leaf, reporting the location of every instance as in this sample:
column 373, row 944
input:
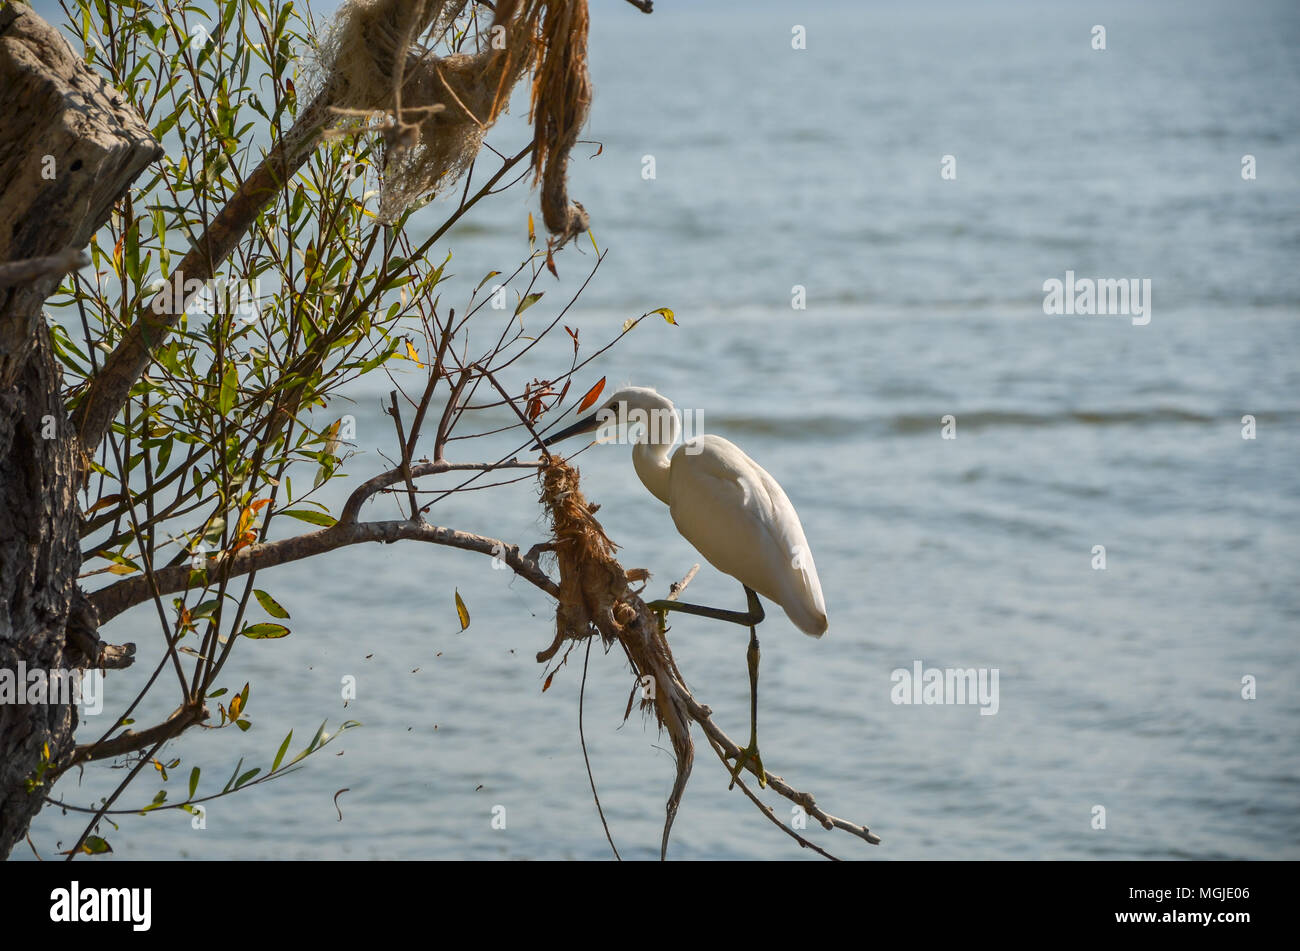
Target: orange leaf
column 550, row 263
column 549, row 677
column 532, row 234
column 591, row 395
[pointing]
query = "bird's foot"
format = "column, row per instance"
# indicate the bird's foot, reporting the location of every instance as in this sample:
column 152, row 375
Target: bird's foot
column 750, row 752
column 660, row 610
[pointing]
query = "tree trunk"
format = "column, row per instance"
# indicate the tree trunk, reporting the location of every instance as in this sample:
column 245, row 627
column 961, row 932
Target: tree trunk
column 69, row 148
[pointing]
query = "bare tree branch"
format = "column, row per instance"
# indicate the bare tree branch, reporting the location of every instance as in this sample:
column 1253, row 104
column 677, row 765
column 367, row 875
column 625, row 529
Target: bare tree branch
column 362, row 493
column 116, row 598
column 33, row 269
column 130, row 741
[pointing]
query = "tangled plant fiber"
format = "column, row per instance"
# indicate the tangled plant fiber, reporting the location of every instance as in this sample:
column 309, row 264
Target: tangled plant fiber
column 595, row 600
column 381, row 59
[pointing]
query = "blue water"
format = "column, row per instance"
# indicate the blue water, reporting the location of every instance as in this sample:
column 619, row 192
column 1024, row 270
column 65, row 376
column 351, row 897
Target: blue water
column 820, row 167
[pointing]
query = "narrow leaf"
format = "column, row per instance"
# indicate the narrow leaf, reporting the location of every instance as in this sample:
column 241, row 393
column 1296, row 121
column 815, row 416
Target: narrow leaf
column 269, row 604
column 231, row 781
column 247, row 776
column 229, row 382
column 265, row 631
column 591, row 395
column 279, row 756
column 305, row 515
column 527, row 302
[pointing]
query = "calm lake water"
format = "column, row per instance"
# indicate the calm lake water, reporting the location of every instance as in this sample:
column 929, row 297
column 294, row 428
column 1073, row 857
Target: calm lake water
column 775, row 167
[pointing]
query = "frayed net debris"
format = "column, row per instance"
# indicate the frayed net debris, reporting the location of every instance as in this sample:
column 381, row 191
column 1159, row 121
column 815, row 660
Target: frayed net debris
column 381, row 61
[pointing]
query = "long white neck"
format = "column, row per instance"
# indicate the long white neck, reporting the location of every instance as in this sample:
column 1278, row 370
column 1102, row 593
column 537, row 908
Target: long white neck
column 650, row 455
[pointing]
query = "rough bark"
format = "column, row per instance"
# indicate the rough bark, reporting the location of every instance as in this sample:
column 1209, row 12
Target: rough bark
column 69, row 148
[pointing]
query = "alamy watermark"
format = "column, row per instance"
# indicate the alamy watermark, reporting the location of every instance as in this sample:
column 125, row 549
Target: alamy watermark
column 41, row 687
column 90, row 904
column 615, row 424
column 216, row 297
column 946, row 685
column 1102, row 297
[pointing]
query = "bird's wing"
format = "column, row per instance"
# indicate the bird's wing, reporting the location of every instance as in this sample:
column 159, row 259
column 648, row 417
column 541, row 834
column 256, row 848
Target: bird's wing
column 738, row 517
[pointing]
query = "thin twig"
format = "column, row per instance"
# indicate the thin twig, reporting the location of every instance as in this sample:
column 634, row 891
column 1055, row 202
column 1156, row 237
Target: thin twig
column 116, row 598
column 769, row 811
column 405, row 466
column 582, row 692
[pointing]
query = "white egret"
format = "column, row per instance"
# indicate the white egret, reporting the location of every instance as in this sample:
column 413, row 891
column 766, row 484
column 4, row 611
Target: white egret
column 734, row 513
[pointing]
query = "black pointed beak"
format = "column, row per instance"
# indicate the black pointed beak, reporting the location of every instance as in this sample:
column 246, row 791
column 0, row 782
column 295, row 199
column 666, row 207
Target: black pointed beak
column 581, row 426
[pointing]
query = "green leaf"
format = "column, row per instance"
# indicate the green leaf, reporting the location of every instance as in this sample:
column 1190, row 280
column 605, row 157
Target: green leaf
column 265, row 631
column 194, row 781
column 279, row 756
column 303, row 515
column 247, row 776
column 313, row 744
column 205, row 609
column 231, row 781
column 94, row 845
column 527, row 302
column 269, row 604
column 383, row 356
column 158, row 800
column 229, row 383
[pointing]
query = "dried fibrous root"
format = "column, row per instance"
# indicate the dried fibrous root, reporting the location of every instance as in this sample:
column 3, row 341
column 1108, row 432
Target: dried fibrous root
column 561, row 99
column 595, row 601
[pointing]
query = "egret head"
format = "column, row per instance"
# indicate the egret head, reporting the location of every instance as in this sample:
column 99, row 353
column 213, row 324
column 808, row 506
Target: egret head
column 624, row 408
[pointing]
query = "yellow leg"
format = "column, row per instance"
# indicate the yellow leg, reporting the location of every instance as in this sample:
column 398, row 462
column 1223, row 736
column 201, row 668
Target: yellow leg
column 751, row 617
column 750, row 752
